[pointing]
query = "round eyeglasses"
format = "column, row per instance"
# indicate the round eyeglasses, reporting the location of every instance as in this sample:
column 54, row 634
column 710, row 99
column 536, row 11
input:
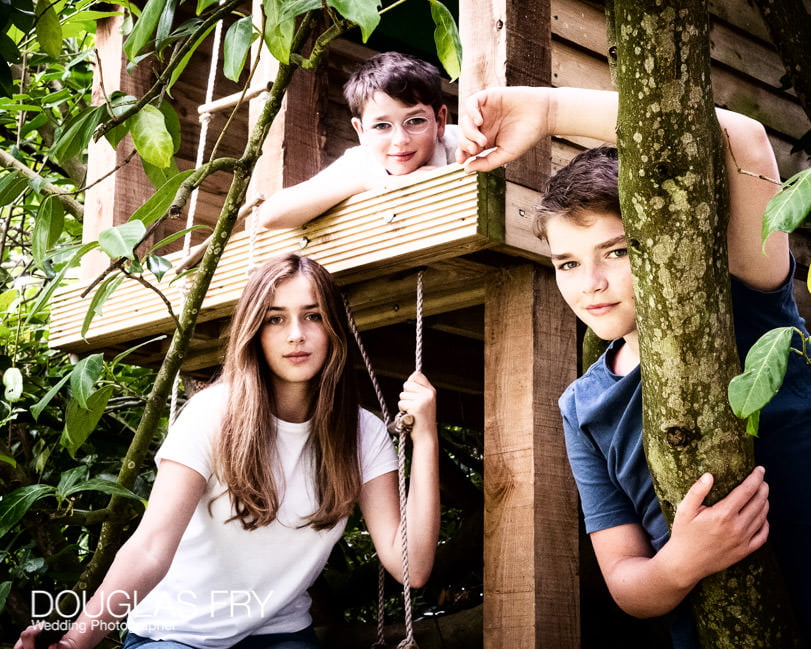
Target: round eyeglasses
column 413, row 126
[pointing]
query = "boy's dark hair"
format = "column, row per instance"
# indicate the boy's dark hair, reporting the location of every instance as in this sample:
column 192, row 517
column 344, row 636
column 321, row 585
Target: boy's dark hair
column 406, row 78
column 586, row 185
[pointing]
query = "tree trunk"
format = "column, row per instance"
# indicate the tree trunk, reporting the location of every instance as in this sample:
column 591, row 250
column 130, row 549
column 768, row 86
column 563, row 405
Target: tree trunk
column 673, row 195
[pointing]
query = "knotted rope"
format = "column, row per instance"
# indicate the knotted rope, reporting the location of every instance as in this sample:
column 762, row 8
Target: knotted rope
column 402, row 426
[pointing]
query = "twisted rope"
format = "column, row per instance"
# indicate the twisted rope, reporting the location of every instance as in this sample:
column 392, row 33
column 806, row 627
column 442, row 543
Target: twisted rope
column 403, row 423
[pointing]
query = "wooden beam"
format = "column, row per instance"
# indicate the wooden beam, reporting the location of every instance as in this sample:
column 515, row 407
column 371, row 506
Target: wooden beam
column 531, row 586
column 508, row 43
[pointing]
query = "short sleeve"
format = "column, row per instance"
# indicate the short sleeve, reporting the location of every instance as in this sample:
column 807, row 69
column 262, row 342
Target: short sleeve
column 190, row 437
column 377, row 450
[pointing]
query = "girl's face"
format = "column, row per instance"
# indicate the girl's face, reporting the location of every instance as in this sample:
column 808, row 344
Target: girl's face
column 402, row 138
column 293, row 337
column 593, row 273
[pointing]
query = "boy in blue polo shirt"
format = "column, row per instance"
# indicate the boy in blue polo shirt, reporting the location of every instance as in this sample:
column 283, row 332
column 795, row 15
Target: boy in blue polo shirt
column 648, row 569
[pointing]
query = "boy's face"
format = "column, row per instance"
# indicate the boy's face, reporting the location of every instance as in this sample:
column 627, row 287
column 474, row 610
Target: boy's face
column 402, row 138
column 593, row 272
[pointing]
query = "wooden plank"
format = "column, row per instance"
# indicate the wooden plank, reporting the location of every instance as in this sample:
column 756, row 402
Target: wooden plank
column 436, row 218
column 507, row 42
column 531, row 587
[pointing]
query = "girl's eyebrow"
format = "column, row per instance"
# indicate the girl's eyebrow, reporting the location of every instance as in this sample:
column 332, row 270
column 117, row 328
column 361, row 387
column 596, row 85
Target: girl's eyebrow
column 306, row 307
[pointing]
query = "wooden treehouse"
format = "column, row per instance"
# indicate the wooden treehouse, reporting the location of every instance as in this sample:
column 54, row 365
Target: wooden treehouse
column 500, row 345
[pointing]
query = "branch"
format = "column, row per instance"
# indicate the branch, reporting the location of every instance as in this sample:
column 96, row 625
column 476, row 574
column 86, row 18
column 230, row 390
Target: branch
column 71, row 205
column 143, row 282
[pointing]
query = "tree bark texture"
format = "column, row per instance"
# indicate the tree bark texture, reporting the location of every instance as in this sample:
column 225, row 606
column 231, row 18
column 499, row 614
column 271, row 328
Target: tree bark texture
column 673, row 194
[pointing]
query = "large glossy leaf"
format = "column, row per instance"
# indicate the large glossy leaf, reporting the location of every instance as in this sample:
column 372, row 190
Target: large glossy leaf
column 120, row 240
column 49, row 31
column 80, row 422
column 144, row 28
column 104, row 486
column 14, row 505
column 84, row 376
column 790, row 208
column 279, row 28
column 48, row 226
column 156, row 206
column 446, row 38
column 151, row 138
column 236, row 46
column 364, row 13
column 103, row 292
column 763, row 373
column 12, row 184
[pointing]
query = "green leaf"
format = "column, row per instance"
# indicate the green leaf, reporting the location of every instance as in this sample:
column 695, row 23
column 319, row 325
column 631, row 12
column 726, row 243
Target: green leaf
column 84, row 376
column 49, row 31
column 790, row 208
column 47, row 292
column 13, row 383
column 68, row 480
column 150, row 136
column 279, row 30
column 38, row 407
column 763, row 373
column 181, row 65
column 129, row 351
column 104, row 291
column 158, row 266
column 159, row 176
column 12, row 184
column 172, row 122
column 48, row 226
column 175, row 236
column 5, row 589
column 80, row 422
column 144, row 28
column 104, row 486
column 165, row 25
column 156, row 206
column 73, row 139
column 446, row 38
column 236, row 46
column 12, row 462
column 14, row 506
column 202, row 5
column 364, row 13
column 120, row 240
column 753, row 423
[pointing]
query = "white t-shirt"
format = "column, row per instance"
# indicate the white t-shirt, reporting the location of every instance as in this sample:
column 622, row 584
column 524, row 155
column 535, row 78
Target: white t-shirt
column 226, row 583
column 358, row 158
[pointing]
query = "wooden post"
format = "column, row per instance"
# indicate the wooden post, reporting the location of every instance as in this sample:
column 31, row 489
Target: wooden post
column 508, row 43
column 531, row 585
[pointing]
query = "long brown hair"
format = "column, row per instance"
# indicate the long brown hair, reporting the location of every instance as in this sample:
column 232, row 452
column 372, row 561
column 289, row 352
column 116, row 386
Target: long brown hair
column 245, row 453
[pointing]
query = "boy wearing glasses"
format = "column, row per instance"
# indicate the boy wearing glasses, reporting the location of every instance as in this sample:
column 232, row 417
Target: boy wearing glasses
column 399, row 116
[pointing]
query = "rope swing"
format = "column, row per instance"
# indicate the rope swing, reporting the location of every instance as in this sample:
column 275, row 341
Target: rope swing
column 401, row 426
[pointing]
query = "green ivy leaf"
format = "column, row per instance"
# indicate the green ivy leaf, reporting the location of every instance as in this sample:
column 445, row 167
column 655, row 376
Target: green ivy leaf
column 104, row 291
column 120, row 240
column 144, row 28
column 14, row 506
column 763, row 373
column 80, row 422
column 236, row 45
column 790, row 208
column 84, row 376
column 48, row 226
column 49, row 31
column 446, row 38
column 151, row 137
column 157, row 204
column 13, row 383
column 364, row 13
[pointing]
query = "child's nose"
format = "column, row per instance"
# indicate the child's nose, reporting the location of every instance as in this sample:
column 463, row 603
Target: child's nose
column 595, row 280
column 400, row 134
column 295, row 331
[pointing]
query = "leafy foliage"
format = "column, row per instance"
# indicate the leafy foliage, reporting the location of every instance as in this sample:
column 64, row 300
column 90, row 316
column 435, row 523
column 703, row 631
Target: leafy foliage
column 66, row 422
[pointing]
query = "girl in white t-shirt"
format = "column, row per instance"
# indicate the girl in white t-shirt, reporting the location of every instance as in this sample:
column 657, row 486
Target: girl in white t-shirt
column 255, row 482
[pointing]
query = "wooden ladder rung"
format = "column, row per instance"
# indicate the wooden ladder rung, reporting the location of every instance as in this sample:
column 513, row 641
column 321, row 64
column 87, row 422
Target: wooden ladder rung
column 229, row 101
